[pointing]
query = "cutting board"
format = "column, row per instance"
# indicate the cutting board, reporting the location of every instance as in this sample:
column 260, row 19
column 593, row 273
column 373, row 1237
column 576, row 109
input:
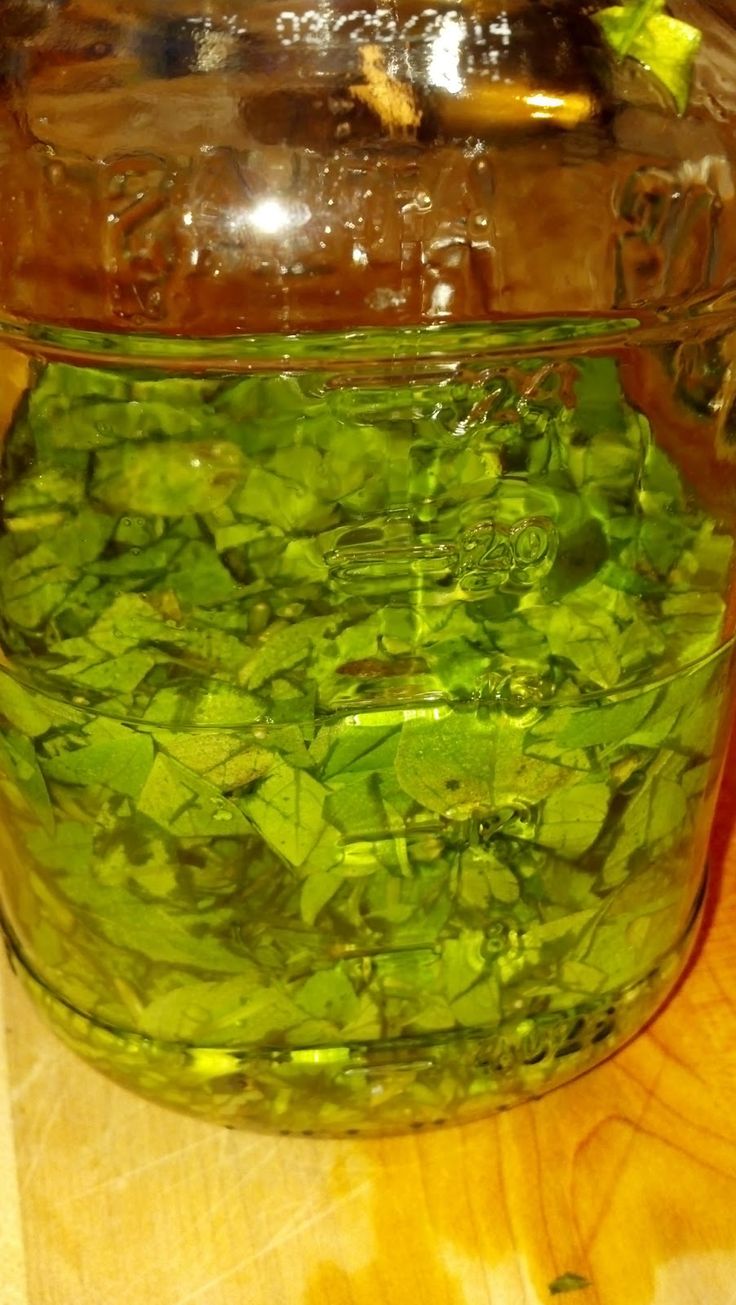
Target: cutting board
column 626, row 1178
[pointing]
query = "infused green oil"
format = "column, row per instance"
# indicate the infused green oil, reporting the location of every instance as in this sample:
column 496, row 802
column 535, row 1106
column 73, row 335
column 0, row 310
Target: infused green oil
column 359, row 714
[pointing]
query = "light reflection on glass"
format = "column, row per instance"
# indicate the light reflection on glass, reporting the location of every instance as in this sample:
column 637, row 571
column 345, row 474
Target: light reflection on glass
column 444, row 62
column 271, row 216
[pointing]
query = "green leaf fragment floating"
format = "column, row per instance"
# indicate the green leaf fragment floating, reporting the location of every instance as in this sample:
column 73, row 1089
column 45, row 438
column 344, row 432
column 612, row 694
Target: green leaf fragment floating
column 568, row 1282
column 666, row 46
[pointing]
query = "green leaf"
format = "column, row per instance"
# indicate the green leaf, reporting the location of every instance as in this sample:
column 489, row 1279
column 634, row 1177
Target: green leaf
column 480, row 1006
column 284, row 648
column 573, row 817
column 19, row 764
column 361, row 748
column 317, row 890
column 236, row 1010
column 122, row 764
column 286, row 504
column 568, row 1282
column 196, row 1011
column 221, row 704
column 151, row 929
column 698, row 727
column 463, row 962
column 599, row 726
column 665, row 45
column 598, row 408
column 461, row 766
column 694, row 621
column 630, row 20
column 329, row 995
column 585, row 636
column 183, row 803
column 689, row 703
column 656, row 815
column 69, row 846
column 34, row 584
column 42, row 491
column 286, row 809
column 558, row 934
column 504, row 884
column 220, row 758
column 199, row 579
column 120, row 675
column 29, row 712
column 172, row 479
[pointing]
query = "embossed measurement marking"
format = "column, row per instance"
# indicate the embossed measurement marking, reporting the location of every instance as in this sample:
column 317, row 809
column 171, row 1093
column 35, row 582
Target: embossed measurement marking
column 486, row 557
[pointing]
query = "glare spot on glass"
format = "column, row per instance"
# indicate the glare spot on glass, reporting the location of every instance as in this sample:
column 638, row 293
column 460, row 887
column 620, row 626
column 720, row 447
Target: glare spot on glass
column 444, row 61
column 501, row 27
column 270, row 217
column 540, row 100
column 442, row 296
column 188, row 218
column 713, row 171
column 543, row 105
column 359, row 256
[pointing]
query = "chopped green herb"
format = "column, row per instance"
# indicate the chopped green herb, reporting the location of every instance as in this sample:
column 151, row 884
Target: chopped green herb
column 667, row 46
column 352, row 745
column 568, row 1282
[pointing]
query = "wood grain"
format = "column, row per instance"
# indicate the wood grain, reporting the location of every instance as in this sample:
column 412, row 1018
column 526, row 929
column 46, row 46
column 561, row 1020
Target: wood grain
column 12, row 1258
column 627, row 1177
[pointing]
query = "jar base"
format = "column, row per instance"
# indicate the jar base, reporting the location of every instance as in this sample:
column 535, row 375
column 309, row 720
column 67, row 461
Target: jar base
column 365, row 1089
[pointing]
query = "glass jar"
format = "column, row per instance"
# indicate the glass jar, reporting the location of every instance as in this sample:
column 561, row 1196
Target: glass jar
column 366, row 554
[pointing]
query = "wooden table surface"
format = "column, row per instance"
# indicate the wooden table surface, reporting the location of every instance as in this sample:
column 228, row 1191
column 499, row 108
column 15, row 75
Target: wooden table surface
column 627, row 1177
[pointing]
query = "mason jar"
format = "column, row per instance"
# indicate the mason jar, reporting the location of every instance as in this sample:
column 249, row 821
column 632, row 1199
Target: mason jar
column 367, row 388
